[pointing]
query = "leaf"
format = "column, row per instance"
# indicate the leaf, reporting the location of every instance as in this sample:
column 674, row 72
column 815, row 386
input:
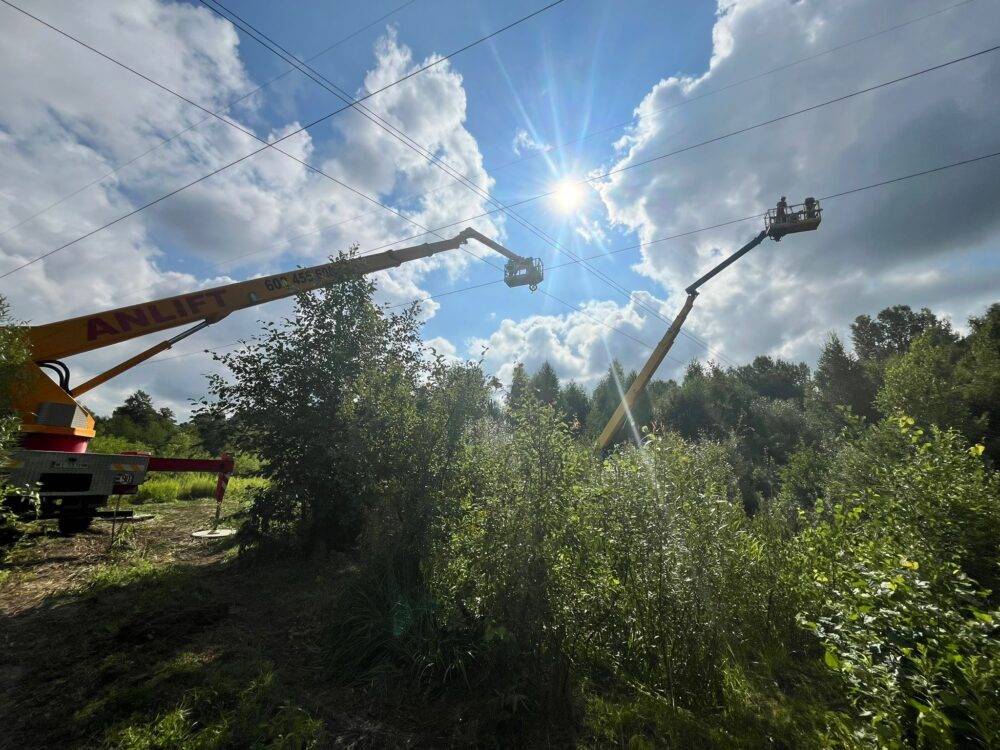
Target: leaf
column 830, row 657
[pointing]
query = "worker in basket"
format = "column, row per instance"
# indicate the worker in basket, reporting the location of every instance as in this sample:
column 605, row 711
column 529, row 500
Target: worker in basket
column 810, row 208
column 782, row 209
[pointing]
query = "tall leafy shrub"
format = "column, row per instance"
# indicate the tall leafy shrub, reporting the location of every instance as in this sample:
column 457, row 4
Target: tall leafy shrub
column 895, row 568
column 293, row 394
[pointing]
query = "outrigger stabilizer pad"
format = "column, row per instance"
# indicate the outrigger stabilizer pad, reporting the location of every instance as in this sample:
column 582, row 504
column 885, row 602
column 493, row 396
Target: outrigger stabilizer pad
column 213, row 533
column 216, row 532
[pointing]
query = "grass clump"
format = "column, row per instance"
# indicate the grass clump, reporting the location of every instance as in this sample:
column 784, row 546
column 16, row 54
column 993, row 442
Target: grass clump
column 163, row 489
column 227, row 712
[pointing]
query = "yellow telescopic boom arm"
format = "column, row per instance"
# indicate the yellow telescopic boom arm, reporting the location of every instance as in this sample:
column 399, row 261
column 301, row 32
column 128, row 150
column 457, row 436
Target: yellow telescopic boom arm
column 85, row 333
column 778, row 222
column 49, row 408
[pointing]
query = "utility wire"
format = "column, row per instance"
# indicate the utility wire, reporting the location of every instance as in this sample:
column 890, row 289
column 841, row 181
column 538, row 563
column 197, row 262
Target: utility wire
column 704, row 95
column 747, row 129
column 555, row 147
column 194, row 125
column 730, row 222
column 411, row 74
column 491, row 168
column 771, row 121
column 239, row 127
column 423, row 151
column 539, row 196
column 595, row 177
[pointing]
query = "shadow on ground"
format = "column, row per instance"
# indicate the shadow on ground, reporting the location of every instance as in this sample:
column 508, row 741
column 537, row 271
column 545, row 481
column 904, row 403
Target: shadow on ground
column 202, row 651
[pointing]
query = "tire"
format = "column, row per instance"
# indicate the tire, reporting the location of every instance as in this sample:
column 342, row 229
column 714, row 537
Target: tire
column 73, row 523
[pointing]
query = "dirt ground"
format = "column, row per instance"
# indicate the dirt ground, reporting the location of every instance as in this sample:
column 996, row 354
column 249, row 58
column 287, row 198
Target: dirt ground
column 152, row 638
column 46, row 564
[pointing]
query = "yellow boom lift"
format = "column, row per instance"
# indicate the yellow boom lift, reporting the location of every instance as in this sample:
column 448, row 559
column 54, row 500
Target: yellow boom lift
column 778, row 222
column 56, row 428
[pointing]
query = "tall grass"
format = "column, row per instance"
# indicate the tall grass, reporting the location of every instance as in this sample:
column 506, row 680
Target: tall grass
column 167, row 488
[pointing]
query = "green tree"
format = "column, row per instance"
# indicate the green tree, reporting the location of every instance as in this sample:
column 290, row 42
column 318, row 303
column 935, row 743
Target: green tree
column 921, row 383
column 138, row 421
column 14, row 353
column 574, row 405
column 842, row 380
column 892, row 331
column 294, row 395
column 355, row 422
column 520, row 386
column 545, row 384
column 977, row 376
column 213, row 430
column 895, row 565
column 139, row 408
column 608, row 395
column 775, row 378
column 708, row 404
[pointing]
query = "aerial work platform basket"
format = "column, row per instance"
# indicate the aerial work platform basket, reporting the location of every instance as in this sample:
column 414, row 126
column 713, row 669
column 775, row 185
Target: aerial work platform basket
column 783, row 220
column 525, row 271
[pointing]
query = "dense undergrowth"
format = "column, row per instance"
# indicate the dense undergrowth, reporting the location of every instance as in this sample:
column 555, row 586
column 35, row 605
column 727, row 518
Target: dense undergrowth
column 815, row 580
column 782, row 560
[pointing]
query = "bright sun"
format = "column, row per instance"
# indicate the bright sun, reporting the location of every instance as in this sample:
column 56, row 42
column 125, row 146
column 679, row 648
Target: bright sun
column 567, row 196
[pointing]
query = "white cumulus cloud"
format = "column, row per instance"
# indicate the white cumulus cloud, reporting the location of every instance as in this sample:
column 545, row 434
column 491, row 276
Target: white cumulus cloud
column 69, row 117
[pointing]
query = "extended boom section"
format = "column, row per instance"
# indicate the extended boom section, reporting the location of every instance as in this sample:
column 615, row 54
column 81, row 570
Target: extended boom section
column 778, row 222
column 87, row 332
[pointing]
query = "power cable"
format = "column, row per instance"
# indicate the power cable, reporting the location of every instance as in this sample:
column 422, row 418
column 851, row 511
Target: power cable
column 539, row 196
column 235, row 125
column 730, row 222
column 704, row 95
column 411, row 74
column 591, row 134
column 194, row 125
column 276, row 48
column 395, row 132
column 595, row 177
column 491, row 168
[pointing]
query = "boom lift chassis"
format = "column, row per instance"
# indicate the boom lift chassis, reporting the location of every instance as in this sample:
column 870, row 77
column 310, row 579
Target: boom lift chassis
column 777, row 223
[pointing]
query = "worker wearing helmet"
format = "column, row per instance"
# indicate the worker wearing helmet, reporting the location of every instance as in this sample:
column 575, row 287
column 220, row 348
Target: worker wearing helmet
column 810, row 208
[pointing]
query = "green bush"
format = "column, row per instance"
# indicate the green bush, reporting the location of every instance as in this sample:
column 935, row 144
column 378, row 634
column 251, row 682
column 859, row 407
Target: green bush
column 891, row 569
column 109, row 443
column 14, row 353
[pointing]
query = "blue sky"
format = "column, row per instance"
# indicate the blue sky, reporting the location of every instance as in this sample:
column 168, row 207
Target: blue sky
column 67, row 117
column 558, row 77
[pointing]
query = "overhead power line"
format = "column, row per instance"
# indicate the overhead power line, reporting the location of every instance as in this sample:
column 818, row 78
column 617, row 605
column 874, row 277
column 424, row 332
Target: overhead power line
column 637, row 245
column 495, row 168
column 734, row 84
column 593, row 178
column 437, row 61
column 194, row 125
column 424, row 152
column 394, row 132
column 434, row 160
column 237, row 126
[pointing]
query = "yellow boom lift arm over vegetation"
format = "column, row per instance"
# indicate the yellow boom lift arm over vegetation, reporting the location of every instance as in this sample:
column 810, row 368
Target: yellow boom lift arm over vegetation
column 51, row 417
column 777, row 223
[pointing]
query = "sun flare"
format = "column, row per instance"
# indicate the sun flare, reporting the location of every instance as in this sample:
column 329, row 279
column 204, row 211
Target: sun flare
column 567, row 196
